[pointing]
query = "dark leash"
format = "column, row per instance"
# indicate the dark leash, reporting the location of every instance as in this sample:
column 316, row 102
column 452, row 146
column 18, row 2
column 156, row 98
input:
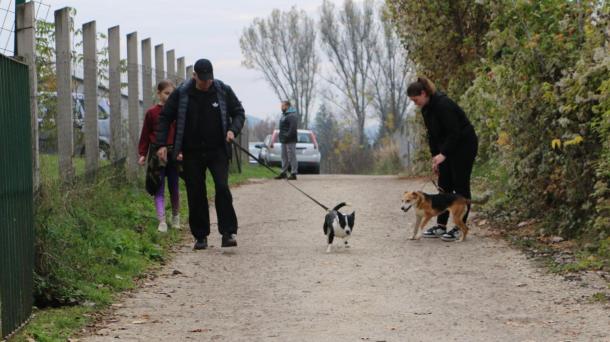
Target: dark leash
column 260, row 162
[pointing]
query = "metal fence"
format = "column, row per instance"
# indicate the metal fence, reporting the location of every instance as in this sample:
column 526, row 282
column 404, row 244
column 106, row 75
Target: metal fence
column 16, row 201
column 7, row 22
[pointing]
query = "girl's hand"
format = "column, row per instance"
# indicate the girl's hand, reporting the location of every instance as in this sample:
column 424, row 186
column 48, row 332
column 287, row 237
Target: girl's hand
column 162, row 154
column 436, row 161
column 141, row 160
column 179, row 157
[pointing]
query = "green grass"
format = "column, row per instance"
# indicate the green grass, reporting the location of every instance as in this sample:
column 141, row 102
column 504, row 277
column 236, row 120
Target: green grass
column 49, row 166
column 93, row 240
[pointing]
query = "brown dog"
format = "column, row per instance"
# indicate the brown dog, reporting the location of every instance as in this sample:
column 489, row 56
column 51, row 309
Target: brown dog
column 427, row 206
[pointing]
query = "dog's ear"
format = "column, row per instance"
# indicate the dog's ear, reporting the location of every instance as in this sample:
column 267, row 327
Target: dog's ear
column 350, row 219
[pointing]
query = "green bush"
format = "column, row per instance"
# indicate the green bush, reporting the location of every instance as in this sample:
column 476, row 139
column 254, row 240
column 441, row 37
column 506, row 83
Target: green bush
column 538, row 94
column 92, row 238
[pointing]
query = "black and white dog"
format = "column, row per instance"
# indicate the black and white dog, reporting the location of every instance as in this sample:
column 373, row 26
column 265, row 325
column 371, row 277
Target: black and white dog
column 339, row 225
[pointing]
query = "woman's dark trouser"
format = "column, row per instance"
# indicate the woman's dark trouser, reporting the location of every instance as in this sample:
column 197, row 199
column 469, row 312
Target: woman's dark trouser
column 454, row 175
column 194, row 167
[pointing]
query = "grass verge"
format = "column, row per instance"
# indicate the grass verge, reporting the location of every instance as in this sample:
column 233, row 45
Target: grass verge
column 95, row 239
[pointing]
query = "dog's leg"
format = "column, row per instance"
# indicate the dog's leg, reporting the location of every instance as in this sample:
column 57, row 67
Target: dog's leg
column 416, row 226
column 423, row 224
column 330, row 236
column 458, row 219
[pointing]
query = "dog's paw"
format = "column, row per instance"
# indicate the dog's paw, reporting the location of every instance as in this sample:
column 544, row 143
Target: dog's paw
column 328, row 250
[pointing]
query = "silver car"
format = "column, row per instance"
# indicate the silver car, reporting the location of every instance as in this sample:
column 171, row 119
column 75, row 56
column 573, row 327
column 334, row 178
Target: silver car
column 308, row 154
column 254, row 150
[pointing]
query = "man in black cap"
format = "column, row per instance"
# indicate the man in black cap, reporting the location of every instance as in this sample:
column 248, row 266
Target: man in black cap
column 208, row 116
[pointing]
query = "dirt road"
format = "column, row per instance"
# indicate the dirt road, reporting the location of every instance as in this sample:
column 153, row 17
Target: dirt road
column 280, row 285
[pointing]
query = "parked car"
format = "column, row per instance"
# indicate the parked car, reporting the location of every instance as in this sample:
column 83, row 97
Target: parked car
column 254, row 150
column 308, row 154
column 48, row 135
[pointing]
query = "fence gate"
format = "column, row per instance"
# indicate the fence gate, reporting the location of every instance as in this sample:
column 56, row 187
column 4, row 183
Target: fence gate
column 16, row 198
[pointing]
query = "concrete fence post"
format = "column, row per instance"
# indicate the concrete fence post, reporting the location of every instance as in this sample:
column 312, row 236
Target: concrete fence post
column 114, row 59
column 171, row 65
column 147, row 79
column 64, row 120
column 26, row 49
column 90, row 87
column 134, row 105
column 159, row 63
column 181, row 70
column 189, row 72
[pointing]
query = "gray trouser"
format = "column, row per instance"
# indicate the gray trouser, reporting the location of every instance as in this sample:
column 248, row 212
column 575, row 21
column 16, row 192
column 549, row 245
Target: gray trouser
column 289, row 158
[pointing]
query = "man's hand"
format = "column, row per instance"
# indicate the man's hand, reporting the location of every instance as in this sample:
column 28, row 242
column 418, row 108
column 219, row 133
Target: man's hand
column 230, row 136
column 141, row 160
column 436, row 161
column 162, row 154
column 180, row 157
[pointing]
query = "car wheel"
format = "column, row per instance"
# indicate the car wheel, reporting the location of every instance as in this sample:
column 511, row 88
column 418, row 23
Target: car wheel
column 263, row 161
column 104, row 151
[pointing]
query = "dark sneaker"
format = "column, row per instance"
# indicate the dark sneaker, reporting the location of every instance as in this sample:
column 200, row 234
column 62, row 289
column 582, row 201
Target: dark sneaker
column 434, row 232
column 201, row 243
column 293, row 177
column 451, row 235
column 280, row 176
column 229, row 241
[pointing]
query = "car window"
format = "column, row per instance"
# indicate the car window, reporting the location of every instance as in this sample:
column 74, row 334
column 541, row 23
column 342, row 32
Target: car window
column 304, row 138
column 103, row 109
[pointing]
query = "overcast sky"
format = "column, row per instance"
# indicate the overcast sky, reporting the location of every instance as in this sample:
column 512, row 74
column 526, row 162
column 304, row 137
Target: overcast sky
column 195, row 29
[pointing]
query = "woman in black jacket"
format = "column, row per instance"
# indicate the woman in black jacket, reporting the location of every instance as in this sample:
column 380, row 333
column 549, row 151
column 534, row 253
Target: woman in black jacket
column 453, row 145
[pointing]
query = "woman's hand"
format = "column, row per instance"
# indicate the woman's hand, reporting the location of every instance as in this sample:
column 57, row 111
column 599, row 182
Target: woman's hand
column 436, row 161
column 180, row 157
column 141, row 160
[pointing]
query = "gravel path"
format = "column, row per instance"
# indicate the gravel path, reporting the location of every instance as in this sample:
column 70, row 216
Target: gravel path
column 280, row 285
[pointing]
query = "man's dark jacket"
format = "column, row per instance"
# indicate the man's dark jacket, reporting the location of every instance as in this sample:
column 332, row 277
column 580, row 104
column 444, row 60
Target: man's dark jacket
column 232, row 113
column 288, row 126
column 447, row 125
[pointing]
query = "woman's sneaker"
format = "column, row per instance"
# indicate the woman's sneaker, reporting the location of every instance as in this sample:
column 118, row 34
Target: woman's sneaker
column 451, row 235
column 435, row 231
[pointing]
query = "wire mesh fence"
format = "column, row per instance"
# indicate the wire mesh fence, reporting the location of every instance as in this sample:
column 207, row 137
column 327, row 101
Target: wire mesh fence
column 7, row 23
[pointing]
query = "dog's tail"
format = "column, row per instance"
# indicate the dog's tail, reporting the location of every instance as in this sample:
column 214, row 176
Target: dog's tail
column 340, row 205
column 480, row 200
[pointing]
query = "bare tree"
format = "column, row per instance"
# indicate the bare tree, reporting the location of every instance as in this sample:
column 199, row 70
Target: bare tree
column 283, row 48
column 348, row 38
column 261, row 129
column 391, row 73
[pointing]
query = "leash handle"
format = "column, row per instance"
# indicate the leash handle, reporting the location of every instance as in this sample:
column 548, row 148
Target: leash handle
column 235, row 143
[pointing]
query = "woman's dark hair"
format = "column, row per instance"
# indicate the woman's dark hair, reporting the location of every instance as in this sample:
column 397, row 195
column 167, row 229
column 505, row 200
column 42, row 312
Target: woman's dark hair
column 165, row 84
column 422, row 84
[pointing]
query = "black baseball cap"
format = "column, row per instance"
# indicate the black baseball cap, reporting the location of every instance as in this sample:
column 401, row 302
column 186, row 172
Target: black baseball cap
column 203, row 68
